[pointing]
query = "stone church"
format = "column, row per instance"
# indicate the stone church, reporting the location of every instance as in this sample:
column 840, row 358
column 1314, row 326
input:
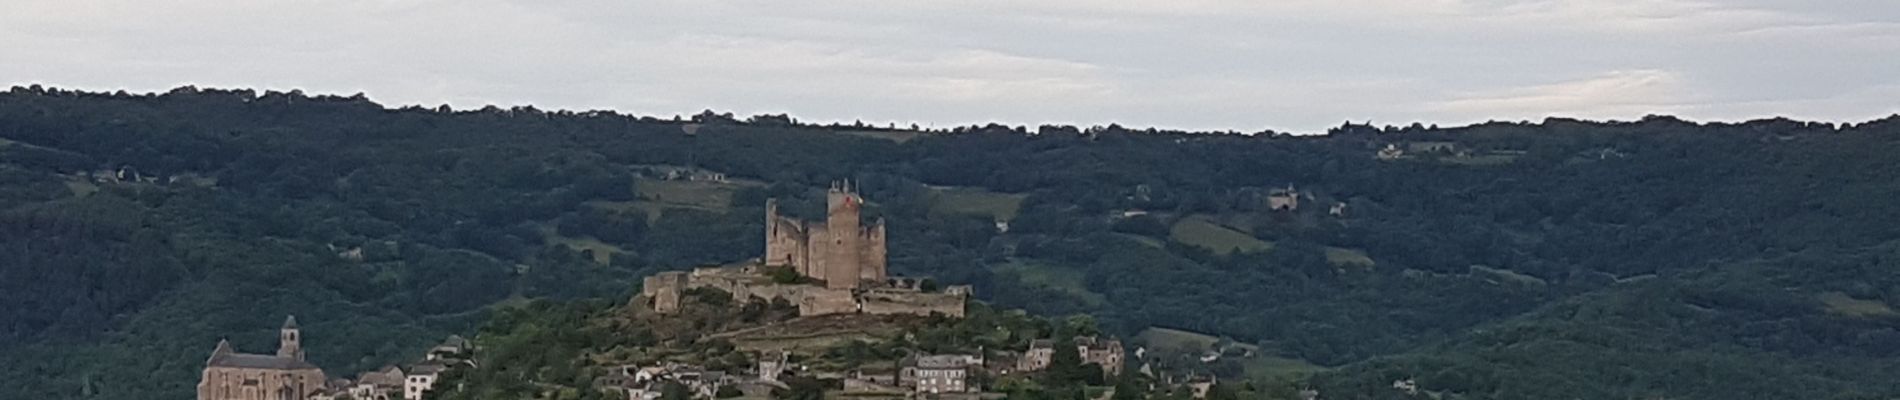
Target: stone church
column 230, row 375
column 839, row 250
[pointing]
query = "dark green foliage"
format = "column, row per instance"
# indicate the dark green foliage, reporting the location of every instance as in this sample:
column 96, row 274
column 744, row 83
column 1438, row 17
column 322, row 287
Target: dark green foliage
column 1223, row 391
column 1066, row 371
column 675, row 391
column 1127, row 388
column 802, row 388
column 786, row 275
column 541, row 341
column 1145, row 225
column 1736, row 228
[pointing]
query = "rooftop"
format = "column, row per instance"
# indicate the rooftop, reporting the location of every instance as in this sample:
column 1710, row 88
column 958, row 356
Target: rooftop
column 943, row 361
column 259, row 361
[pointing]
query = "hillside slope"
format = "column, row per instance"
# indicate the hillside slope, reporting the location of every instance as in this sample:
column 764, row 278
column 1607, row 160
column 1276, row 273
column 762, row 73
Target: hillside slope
column 139, row 229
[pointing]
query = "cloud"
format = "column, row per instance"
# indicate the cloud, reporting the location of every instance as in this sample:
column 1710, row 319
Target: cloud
column 1615, row 94
column 1197, row 64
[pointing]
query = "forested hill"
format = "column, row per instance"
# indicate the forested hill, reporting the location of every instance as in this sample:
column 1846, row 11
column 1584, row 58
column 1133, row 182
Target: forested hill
column 1651, row 259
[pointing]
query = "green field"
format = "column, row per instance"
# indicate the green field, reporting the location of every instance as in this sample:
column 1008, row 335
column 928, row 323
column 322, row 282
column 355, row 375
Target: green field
column 895, row 136
column 1259, row 368
column 1343, row 256
column 701, row 194
column 1176, row 340
column 81, row 187
column 652, row 209
column 1198, row 231
column 1841, row 303
column 1066, row 280
column 603, row 252
column 1264, row 368
column 1002, row 206
column 656, row 196
column 1480, row 160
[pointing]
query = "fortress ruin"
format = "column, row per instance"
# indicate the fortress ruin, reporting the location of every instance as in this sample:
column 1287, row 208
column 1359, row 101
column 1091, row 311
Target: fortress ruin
column 837, row 251
column 842, row 262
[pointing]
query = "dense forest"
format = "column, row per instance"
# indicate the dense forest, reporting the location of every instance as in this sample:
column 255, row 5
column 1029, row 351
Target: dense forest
column 1657, row 258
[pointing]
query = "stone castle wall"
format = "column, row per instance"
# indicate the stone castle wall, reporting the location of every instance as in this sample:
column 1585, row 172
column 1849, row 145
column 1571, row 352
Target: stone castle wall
column 826, row 302
column 877, row 301
column 664, row 290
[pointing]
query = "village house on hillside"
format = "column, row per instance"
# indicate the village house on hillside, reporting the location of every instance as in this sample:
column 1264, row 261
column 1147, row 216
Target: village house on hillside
column 1287, row 199
column 946, row 373
column 1107, row 353
column 689, row 174
column 647, row 383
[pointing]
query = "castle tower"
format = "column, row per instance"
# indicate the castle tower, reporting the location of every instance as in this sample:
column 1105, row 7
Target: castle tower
column 785, row 241
column 845, row 238
column 289, row 340
column 872, row 263
column 775, row 251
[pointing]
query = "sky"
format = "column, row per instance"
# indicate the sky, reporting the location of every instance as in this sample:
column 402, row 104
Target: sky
column 1289, row 65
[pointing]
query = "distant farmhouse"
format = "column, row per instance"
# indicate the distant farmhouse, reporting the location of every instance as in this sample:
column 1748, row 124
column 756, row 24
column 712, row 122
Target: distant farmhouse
column 1287, row 199
column 841, row 262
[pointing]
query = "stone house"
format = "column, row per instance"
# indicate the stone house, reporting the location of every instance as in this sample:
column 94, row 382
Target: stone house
column 947, row 373
column 452, row 349
column 422, row 378
column 383, row 384
column 1287, row 199
column 1107, row 353
column 1391, row 152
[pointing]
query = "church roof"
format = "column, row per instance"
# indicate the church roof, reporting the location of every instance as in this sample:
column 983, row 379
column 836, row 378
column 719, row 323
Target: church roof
column 258, row 361
column 290, row 322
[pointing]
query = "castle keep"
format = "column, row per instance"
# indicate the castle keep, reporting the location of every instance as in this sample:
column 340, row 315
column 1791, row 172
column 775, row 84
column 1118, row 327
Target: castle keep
column 838, row 251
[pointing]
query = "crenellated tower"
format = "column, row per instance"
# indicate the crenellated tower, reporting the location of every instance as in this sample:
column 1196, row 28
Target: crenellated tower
column 844, row 264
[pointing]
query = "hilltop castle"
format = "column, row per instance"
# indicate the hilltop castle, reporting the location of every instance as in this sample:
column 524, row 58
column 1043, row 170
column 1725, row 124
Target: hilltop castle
column 837, row 251
column 847, row 256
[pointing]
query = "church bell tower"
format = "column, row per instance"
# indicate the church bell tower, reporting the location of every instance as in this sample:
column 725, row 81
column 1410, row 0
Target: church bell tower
column 289, row 340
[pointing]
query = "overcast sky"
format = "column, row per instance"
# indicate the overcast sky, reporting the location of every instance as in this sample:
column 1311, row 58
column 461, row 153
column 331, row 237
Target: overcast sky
column 1243, row 65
